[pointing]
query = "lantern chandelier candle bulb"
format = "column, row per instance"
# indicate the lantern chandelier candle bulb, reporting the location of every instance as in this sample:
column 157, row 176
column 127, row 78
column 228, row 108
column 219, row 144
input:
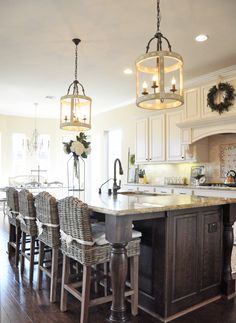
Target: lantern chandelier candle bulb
column 145, row 86
column 75, row 106
column 173, row 82
column 155, row 82
column 154, row 70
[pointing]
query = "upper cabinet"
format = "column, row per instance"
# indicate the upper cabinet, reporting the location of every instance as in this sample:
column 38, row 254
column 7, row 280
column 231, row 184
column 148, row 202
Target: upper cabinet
column 157, row 138
column 192, row 104
column 174, row 135
column 150, row 139
column 206, row 111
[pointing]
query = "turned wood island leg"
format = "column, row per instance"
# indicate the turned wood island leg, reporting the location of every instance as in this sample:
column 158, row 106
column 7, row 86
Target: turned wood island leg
column 118, row 233
column 228, row 285
column 118, row 268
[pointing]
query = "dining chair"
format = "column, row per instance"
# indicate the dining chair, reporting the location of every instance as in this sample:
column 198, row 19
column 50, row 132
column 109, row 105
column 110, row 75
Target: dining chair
column 27, row 218
column 49, row 236
column 86, row 244
column 14, row 223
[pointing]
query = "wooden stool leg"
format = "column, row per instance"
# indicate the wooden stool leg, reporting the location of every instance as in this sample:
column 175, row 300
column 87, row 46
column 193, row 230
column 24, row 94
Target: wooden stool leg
column 105, row 278
column 40, row 263
column 22, row 256
column 17, row 254
column 95, row 282
column 134, row 266
column 85, row 294
column 32, row 250
column 65, row 280
column 12, row 238
column 54, row 270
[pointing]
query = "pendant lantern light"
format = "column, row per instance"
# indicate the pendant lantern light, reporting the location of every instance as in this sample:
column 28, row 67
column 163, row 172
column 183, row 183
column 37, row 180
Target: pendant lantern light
column 159, row 75
column 75, row 106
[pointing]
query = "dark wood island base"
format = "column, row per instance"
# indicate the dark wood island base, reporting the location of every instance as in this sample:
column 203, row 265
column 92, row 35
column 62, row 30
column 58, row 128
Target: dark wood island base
column 186, row 248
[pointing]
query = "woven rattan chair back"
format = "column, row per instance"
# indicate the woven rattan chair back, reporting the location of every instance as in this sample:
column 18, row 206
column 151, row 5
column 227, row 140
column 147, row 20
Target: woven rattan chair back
column 13, row 205
column 74, row 216
column 47, row 215
column 28, row 212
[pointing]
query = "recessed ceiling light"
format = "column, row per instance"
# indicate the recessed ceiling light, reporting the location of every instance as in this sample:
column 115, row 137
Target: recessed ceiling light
column 50, row 97
column 128, row 71
column 201, row 38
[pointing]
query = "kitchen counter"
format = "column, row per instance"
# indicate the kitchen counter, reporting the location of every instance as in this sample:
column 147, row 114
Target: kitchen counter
column 186, row 248
column 123, row 204
column 185, row 186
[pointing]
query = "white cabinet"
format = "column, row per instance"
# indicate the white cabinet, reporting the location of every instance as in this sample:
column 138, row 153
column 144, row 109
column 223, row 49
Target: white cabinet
column 150, row 139
column 192, row 104
column 215, row 192
column 206, row 111
column 174, row 136
column 163, row 190
column 183, row 191
column 157, row 138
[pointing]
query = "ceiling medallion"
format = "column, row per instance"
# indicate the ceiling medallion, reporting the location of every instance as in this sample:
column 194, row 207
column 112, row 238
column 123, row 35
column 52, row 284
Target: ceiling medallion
column 75, row 106
column 159, row 75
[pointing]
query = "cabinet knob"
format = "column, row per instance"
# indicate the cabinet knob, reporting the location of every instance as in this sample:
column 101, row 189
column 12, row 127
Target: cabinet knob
column 146, row 158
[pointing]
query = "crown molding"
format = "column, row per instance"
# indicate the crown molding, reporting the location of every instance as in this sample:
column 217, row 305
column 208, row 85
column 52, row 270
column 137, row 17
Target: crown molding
column 207, row 122
column 224, row 73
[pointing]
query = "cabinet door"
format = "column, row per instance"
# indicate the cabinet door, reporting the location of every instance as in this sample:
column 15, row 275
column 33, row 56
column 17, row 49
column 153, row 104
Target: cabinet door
column 192, row 104
column 183, row 191
column 174, row 136
column 211, row 258
column 157, row 138
column 142, row 140
column 206, row 111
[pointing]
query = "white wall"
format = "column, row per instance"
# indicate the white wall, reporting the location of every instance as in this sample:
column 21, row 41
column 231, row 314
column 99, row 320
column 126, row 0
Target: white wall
column 11, row 124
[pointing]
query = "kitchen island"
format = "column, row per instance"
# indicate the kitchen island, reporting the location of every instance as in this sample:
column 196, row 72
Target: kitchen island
column 186, row 249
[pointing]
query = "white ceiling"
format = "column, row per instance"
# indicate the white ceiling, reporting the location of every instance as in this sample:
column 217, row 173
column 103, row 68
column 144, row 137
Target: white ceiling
column 37, row 55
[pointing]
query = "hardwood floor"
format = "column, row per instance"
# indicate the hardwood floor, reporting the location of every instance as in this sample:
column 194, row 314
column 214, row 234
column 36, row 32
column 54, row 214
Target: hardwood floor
column 20, row 303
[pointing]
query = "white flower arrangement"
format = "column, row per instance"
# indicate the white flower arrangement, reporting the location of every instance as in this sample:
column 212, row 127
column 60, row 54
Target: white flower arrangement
column 78, row 147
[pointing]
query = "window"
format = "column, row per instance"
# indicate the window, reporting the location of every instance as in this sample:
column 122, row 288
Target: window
column 18, row 153
column 114, row 149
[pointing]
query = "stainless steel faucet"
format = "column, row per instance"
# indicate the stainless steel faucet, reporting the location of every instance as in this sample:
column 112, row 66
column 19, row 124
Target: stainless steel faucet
column 115, row 186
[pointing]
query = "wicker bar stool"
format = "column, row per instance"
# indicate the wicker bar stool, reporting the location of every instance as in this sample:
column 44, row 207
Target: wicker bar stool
column 79, row 242
column 14, row 224
column 48, row 235
column 27, row 218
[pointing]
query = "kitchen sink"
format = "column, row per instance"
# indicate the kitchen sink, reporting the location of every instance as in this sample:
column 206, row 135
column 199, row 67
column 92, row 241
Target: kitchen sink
column 130, row 193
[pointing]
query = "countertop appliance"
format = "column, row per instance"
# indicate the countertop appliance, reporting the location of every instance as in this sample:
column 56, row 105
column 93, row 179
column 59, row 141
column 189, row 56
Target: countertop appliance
column 230, row 177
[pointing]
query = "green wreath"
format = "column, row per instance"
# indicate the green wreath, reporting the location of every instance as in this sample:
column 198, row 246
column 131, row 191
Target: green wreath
column 228, row 98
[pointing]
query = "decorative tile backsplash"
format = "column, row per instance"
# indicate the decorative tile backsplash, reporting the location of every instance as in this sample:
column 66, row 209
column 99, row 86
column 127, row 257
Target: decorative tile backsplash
column 220, row 159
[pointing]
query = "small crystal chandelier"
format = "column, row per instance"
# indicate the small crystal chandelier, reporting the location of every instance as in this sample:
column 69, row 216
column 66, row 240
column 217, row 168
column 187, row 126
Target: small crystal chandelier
column 35, row 143
column 75, row 107
column 159, row 75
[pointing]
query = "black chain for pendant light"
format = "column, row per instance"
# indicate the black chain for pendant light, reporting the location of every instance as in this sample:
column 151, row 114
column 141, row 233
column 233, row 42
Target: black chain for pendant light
column 75, row 84
column 158, row 16
column 158, row 36
column 76, row 60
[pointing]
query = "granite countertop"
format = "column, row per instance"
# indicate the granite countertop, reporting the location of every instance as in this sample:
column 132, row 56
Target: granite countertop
column 148, row 203
column 225, row 188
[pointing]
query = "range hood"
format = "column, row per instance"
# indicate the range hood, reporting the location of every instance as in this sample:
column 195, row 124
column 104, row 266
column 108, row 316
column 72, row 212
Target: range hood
column 195, row 130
